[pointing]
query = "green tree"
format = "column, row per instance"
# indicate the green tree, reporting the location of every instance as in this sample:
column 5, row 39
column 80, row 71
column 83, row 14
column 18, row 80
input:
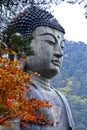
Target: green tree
column 17, row 43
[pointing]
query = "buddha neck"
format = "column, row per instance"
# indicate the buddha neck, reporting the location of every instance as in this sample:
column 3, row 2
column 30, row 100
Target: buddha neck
column 40, row 81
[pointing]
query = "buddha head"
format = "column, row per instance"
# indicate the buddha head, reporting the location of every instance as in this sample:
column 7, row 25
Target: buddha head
column 48, row 41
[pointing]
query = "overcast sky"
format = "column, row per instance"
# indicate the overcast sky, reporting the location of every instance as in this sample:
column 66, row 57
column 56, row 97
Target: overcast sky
column 72, row 18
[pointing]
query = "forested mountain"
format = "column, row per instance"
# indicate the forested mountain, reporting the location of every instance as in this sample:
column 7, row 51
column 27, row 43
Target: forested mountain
column 72, row 81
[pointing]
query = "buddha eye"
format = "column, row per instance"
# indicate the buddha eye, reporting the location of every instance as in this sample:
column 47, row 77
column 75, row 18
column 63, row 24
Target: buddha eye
column 48, row 38
column 50, row 42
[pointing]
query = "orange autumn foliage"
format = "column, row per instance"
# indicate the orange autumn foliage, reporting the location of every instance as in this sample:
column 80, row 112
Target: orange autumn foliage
column 14, row 83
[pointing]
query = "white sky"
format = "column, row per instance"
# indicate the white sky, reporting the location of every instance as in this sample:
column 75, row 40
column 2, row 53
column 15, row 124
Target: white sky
column 72, row 18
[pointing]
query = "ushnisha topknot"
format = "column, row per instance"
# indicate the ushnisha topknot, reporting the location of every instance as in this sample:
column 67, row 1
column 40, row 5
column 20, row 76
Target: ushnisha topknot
column 26, row 22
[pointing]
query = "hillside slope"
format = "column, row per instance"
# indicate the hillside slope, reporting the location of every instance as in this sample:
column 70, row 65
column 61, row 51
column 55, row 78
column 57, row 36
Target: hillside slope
column 72, row 81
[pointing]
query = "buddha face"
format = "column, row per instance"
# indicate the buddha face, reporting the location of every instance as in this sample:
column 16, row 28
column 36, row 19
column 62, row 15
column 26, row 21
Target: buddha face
column 48, row 47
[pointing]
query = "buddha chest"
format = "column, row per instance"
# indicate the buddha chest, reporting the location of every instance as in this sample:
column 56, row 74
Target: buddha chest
column 57, row 113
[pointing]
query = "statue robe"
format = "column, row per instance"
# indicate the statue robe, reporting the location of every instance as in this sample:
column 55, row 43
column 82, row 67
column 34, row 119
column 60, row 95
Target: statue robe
column 59, row 113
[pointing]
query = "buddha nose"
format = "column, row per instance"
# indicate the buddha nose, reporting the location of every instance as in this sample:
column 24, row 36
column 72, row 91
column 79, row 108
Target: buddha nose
column 58, row 52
